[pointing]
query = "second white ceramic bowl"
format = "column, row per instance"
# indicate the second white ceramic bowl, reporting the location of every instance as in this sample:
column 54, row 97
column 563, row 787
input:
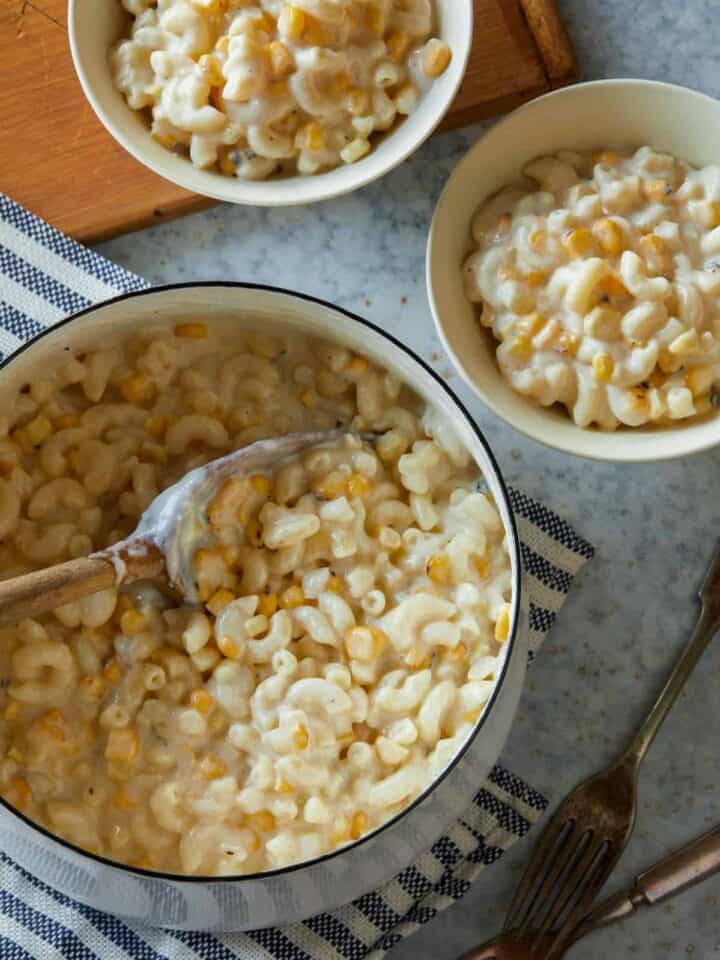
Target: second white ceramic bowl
column 95, row 26
column 589, row 116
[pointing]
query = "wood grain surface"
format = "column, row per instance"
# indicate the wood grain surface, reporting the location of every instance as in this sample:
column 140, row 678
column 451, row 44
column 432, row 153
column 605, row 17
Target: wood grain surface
column 58, row 160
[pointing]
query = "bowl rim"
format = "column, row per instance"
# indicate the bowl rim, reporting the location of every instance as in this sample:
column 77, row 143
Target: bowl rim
column 517, row 581
column 543, row 436
column 312, row 188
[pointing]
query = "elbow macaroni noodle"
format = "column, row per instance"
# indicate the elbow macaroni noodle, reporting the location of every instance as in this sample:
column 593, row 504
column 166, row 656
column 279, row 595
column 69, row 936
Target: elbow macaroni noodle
column 354, row 604
column 257, row 87
column 602, row 286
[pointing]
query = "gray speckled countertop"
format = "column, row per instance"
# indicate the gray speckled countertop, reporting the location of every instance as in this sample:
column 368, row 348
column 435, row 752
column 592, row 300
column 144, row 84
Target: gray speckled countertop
column 652, row 526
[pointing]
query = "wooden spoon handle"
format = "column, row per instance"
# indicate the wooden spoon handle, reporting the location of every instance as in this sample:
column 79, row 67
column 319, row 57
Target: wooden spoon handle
column 43, row 590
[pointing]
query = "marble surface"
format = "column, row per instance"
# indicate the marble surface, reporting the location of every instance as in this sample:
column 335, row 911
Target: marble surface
column 654, row 526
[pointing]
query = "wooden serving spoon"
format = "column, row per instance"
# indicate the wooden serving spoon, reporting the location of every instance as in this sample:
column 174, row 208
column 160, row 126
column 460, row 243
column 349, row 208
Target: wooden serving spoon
column 164, row 540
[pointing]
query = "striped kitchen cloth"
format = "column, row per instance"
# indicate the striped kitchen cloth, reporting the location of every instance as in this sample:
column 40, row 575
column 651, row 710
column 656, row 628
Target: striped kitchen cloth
column 43, row 277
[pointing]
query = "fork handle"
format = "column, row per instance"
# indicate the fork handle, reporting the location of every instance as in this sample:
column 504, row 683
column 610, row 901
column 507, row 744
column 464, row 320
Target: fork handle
column 705, row 629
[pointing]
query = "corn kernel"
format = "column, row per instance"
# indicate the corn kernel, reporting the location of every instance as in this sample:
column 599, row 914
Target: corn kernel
column 122, row 744
column 17, row 792
column 67, row 421
column 357, row 367
column 365, row 643
column 211, row 69
column 281, row 60
column 315, row 33
column 509, row 272
column 211, row 767
column 291, row 22
column 530, row 324
column 93, row 686
column 502, row 624
column 375, row 20
column 132, row 622
column 219, row 600
column 651, row 245
column 341, row 829
column 38, row 430
column 578, row 242
column 417, row 659
column 301, row 738
column 657, row 190
column 52, row 723
column 436, row 58
column 264, row 821
column 603, row 367
column 229, row 648
column 397, row 43
column 267, row 604
column 226, row 163
column 112, row 671
column 713, row 214
column 668, row 363
column 311, row 137
column 686, row 343
column 358, row 485
column 607, row 157
column 339, row 84
column 482, row 567
column 310, row 399
column 136, row 388
column 612, row 285
column 357, row 102
column 164, row 139
column 123, row 799
column 473, row 716
column 334, row 585
column 538, row 239
column 455, row 654
column 291, row 598
column 609, row 235
column 278, row 88
column 358, row 825
column 699, row 380
column 260, row 484
column 12, row 710
column 282, row 786
column 201, row 701
column 520, row 347
column 331, row 486
column 156, row 425
column 192, row 331
column 438, row 569
column 536, row 278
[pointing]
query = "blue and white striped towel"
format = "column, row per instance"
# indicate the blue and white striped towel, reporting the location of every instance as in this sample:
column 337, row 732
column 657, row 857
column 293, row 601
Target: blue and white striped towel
column 43, row 277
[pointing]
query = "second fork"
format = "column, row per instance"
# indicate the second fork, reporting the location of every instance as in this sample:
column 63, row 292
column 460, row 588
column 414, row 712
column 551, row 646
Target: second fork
column 588, row 833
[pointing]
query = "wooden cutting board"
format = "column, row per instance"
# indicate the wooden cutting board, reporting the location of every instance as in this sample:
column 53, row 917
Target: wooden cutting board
column 58, row 160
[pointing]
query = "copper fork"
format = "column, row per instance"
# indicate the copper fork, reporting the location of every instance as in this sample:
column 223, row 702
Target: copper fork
column 678, row 872
column 588, row 833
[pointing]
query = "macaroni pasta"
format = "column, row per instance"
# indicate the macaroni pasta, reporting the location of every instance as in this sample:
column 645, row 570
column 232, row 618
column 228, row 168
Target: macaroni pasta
column 353, row 607
column 602, row 286
column 257, row 87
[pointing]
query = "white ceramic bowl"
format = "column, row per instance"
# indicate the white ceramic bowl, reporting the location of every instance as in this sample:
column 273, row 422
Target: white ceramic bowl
column 606, row 113
column 94, row 26
column 286, row 895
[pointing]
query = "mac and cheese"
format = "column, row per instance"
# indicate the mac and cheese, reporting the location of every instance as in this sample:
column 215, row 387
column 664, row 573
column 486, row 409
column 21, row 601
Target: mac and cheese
column 257, row 87
column 354, row 604
column 603, row 285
